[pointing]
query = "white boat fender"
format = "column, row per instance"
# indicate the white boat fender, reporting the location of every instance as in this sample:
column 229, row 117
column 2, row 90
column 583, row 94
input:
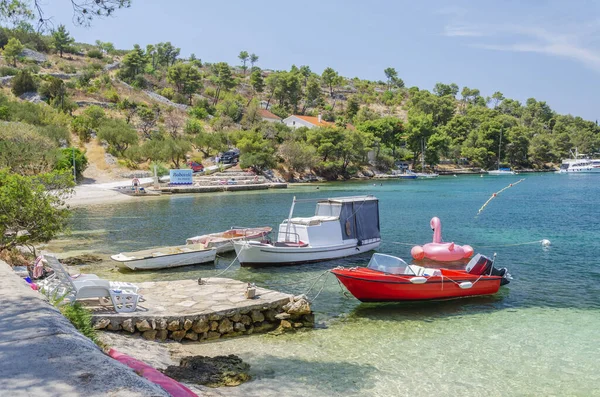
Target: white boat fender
column 465, row 285
column 418, row 280
column 546, row 243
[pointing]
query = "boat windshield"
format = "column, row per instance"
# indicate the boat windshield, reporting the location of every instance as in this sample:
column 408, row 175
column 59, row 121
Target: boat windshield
column 328, row 209
column 387, row 264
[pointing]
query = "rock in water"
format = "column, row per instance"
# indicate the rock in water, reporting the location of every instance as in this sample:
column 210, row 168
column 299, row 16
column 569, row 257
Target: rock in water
column 84, row 259
column 210, row 371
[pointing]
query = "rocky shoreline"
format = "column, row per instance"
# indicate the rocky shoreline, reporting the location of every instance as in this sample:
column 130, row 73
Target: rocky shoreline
column 278, row 316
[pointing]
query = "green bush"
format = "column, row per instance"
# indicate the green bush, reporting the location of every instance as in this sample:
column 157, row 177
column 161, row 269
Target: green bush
column 3, row 37
column 167, row 92
column 66, row 68
column 8, row 71
column 65, row 161
column 112, row 95
column 95, row 53
column 23, row 82
column 161, row 168
column 81, row 318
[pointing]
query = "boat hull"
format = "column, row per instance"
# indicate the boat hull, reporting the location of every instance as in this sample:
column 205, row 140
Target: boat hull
column 501, row 173
column 168, row 261
column 370, row 286
column 259, row 255
column 223, row 242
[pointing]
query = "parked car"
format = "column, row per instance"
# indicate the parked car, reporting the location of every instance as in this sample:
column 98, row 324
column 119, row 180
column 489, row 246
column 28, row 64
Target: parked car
column 196, row 167
column 231, row 156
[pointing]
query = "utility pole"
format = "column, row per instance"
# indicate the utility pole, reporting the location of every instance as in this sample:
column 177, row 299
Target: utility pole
column 74, row 167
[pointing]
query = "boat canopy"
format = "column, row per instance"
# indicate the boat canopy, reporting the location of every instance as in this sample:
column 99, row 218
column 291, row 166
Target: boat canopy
column 359, row 216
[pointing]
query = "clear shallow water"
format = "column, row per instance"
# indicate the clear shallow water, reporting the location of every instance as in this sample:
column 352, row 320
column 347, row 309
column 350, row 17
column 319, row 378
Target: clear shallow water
column 538, row 336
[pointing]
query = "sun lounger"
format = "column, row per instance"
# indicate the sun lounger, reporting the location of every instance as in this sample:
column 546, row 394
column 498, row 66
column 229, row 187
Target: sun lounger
column 124, row 296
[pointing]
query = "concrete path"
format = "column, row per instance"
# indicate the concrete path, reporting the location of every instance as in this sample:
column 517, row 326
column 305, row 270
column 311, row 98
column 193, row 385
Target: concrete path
column 41, row 353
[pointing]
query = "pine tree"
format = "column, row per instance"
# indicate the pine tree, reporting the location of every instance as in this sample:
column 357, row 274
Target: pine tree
column 12, row 50
column 62, row 40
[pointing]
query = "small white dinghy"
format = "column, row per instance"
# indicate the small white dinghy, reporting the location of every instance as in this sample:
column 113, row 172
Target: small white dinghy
column 341, row 227
column 223, row 241
column 166, row 257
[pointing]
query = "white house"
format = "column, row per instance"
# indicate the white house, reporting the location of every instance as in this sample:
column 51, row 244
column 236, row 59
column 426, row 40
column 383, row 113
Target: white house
column 296, row 121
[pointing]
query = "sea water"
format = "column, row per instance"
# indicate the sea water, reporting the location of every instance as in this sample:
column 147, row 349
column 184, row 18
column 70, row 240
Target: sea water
column 538, row 336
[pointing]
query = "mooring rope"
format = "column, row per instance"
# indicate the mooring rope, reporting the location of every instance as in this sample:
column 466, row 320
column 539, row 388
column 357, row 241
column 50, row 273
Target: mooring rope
column 496, row 195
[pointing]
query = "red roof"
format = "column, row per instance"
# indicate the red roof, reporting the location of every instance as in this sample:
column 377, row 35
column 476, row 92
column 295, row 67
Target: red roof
column 323, row 123
column 265, row 114
column 315, row 121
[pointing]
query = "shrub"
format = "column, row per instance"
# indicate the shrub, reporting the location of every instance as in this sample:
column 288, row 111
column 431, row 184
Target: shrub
column 167, row 92
column 65, row 161
column 180, row 98
column 95, row 53
column 66, row 68
column 8, row 71
column 112, row 95
column 81, row 318
column 23, row 82
column 57, row 133
column 24, row 151
column 161, row 169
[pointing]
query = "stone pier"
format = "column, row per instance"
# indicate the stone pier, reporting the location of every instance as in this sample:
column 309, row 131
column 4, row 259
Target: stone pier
column 215, row 308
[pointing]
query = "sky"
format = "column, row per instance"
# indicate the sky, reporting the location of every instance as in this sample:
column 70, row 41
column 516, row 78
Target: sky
column 545, row 49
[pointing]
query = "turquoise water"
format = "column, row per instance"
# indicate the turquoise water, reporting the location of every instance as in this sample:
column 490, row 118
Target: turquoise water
column 539, row 336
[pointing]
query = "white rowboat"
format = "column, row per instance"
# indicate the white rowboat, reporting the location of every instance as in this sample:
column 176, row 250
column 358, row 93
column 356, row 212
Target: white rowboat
column 166, row 257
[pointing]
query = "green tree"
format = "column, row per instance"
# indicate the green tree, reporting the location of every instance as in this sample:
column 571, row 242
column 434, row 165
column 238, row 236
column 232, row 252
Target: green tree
column 442, row 89
column 166, row 54
column 23, row 82
column 419, row 127
column 32, row 209
column 352, row 107
column 253, row 60
column 147, row 119
column 391, row 74
column 223, row 79
column 298, row 155
column 61, row 39
column 118, row 134
column 497, row 97
column 257, row 82
column 256, row 152
column 133, row 63
column 65, row 162
column 244, row 57
column 87, row 122
column 312, row 93
column 331, row 78
column 12, row 50
column 186, row 78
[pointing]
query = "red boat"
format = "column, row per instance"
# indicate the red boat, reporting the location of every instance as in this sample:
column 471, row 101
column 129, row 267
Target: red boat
column 390, row 279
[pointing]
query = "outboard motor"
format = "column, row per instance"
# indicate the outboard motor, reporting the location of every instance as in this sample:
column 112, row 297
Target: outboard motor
column 481, row 264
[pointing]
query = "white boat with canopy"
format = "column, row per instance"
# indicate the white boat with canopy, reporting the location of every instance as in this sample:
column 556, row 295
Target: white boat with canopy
column 579, row 165
column 340, row 227
column 166, row 257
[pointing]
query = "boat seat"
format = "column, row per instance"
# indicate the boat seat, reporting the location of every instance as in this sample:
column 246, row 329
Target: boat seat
column 429, row 271
column 414, row 270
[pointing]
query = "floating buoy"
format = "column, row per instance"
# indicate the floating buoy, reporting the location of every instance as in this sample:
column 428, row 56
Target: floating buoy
column 418, row 280
column 546, row 243
column 465, row 285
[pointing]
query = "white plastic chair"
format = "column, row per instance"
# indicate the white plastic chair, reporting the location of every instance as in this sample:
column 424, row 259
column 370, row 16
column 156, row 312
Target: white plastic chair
column 124, row 296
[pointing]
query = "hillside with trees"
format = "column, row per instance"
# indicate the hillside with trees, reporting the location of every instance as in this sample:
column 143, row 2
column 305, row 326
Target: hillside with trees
column 148, row 104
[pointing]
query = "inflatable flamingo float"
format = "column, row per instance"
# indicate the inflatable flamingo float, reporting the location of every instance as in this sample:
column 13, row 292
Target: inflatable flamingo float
column 438, row 251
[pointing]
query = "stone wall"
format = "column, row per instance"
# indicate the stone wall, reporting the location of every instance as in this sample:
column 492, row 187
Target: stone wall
column 281, row 317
